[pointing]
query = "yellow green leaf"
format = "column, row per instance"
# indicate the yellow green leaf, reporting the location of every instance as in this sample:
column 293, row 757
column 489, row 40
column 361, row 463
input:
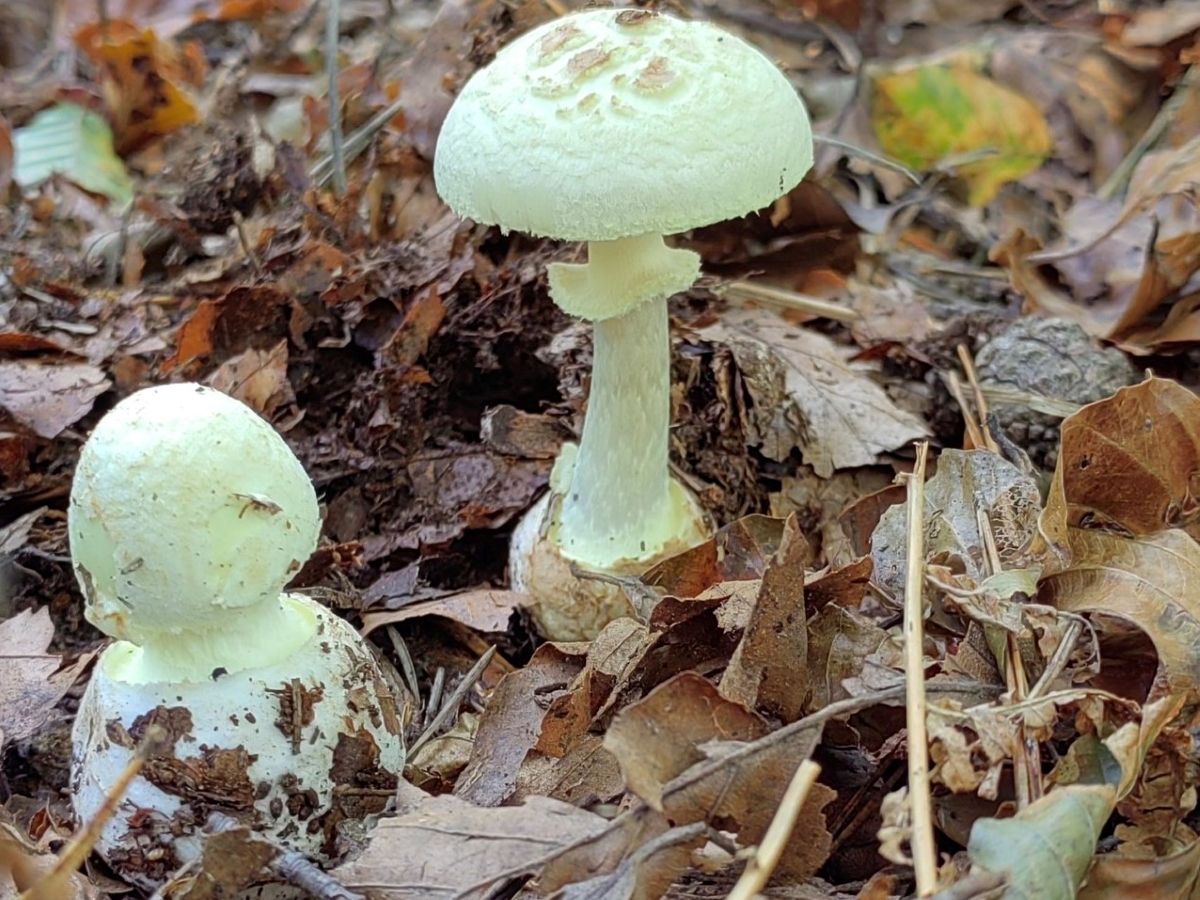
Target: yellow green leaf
column 926, row 113
column 74, row 142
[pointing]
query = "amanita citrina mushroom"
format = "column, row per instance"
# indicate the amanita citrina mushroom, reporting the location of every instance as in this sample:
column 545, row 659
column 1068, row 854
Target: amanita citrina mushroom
column 188, row 514
column 617, row 127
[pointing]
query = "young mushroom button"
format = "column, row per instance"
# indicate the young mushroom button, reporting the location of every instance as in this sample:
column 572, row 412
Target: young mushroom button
column 617, row 127
column 188, row 515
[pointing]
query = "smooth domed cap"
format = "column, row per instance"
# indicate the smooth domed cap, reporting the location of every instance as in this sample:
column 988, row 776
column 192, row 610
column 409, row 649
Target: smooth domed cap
column 615, row 123
column 185, row 503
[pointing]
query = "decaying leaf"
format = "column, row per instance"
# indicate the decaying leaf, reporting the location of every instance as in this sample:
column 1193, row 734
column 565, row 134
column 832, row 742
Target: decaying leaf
column 645, row 874
column 31, row 683
column 769, row 667
column 659, row 737
column 146, row 82
column 967, row 484
column 808, row 395
column 512, row 724
column 447, row 846
column 1046, row 850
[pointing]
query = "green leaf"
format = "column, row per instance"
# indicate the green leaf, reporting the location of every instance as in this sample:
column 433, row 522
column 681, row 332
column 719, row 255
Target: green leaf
column 926, row 113
column 76, row 143
column 1045, row 850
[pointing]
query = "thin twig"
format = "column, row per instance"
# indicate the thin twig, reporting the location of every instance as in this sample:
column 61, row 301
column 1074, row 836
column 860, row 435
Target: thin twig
column 789, row 300
column 358, row 141
column 974, row 432
column 1058, row 661
column 240, row 226
column 854, row 150
column 452, row 703
column 1027, row 780
column 433, row 704
column 406, row 663
column 57, row 883
column 981, row 407
column 761, row 866
column 924, row 851
column 333, row 17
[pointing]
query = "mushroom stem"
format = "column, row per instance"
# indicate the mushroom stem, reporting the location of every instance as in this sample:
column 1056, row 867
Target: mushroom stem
column 620, row 504
column 263, row 634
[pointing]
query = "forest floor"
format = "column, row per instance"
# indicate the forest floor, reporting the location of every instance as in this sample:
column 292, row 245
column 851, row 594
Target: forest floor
column 996, row 253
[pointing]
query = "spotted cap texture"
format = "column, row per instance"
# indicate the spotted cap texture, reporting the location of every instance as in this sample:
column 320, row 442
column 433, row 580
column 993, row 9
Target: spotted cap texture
column 614, row 123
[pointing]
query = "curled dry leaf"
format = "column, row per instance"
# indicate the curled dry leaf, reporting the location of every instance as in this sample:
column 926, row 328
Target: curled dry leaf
column 1143, row 250
column 1172, row 876
column 484, row 610
column 1152, row 582
column 645, row 874
column 1131, row 462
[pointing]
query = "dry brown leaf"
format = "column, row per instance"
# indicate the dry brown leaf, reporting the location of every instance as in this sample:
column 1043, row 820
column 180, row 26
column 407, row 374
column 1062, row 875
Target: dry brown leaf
column 808, row 395
column 768, row 670
column 739, row 788
column 146, row 80
column 840, row 643
column 486, row 611
column 258, row 378
column 611, row 659
column 1132, row 461
column 30, row 681
column 48, row 398
column 1160, row 25
column 645, row 874
column 232, row 862
column 446, row 846
column 587, row 773
column 437, row 764
column 737, row 552
column 659, row 737
column 1171, row 876
column 1132, row 257
column 1152, row 582
column 511, row 724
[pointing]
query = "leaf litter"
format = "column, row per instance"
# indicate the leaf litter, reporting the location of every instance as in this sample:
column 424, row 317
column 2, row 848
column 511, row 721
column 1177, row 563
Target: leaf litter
column 415, row 364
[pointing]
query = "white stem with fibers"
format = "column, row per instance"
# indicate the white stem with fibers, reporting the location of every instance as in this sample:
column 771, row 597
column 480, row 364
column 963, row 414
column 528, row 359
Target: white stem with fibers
column 621, row 504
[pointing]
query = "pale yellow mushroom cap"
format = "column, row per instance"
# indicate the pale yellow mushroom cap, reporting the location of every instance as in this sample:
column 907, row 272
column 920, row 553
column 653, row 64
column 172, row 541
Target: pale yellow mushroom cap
column 613, row 123
column 185, row 504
